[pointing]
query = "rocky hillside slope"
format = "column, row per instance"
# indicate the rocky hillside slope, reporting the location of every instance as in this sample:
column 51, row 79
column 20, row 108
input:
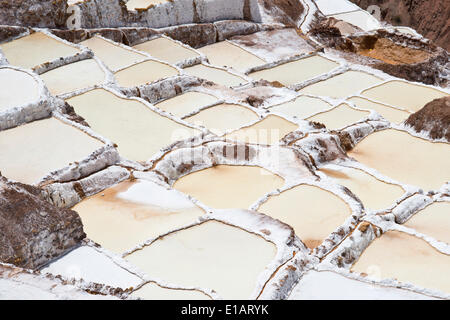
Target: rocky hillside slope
column 430, row 18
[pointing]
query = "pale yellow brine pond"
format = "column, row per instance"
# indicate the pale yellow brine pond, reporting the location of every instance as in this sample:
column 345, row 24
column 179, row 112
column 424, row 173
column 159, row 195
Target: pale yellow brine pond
column 212, row 255
column 313, row 212
column 18, row 88
column 139, row 132
column 422, row 163
column 226, row 186
column 398, row 255
column 133, row 213
column 25, row 150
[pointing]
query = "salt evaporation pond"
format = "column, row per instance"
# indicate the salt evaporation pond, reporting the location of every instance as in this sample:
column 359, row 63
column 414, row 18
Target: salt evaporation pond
column 312, row 212
column 225, row 186
column 166, row 50
column 113, row 55
column 302, row 107
column 422, row 163
column 226, row 54
column 216, row 75
column 342, row 85
column 126, row 215
column 268, row 131
column 32, row 151
column 374, row 194
column 404, row 95
column 152, row 291
column 223, row 117
column 433, row 221
column 18, row 88
column 213, row 255
column 139, row 132
column 186, row 103
column 144, row 73
column 295, row 72
column 74, row 76
column 398, row 255
column 35, row 49
column 340, row 117
column 391, row 114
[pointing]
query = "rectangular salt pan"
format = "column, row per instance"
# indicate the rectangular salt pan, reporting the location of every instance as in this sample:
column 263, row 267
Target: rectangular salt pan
column 166, row 50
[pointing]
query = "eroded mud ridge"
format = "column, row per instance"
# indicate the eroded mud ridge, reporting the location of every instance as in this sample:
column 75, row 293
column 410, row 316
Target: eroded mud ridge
column 282, row 145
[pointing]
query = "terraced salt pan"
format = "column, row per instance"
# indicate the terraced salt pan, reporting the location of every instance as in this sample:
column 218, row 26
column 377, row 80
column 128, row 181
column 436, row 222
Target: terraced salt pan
column 389, row 113
column 340, row 117
column 114, row 56
column 128, row 214
column 142, row 4
column 342, row 85
column 226, row 54
column 295, row 72
column 216, row 75
column 152, row 291
column 312, row 212
column 139, row 132
column 143, row 73
column 433, row 221
column 405, row 158
column 328, row 285
column 360, row 18
column 302, row 107
column 92, row 266
column 33, row 150
column 166, row 50
column 18, row 88
column 405, row 95
column 186, row 103
column 35, row 49
column 225, row 186
column 374, row 194
column 224, row 117
column 409, row 259
column 270, row 131
column 74, row 76
column 211, row 255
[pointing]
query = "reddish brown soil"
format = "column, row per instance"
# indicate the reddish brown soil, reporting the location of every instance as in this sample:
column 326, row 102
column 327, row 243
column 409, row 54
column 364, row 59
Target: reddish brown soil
column 285, row 11
column 434, row 119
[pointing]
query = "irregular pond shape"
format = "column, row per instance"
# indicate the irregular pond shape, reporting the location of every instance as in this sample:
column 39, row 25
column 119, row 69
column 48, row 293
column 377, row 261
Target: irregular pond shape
column 312, row 212
column 389, row 113
column 422, row 163
column 144, row 73
column 374, row 194
column 225, row 186
column 130, row 213
column 139, row 131
column 302, row 107
column 31, row 151
column 166, row 50
column 18, row 88
column 226, row 54
column 433, row 221
column 223, row 117
column 113, row 55
column 74, row 76
column 216, row 75
column 151, row 291
column 92, row 266
column 342, row 85
column 406, row 258
column 35, row 49
column 213, row 255
column 186, row 103
column 340, row 117
column 328, row 285
column 295, row 72
column 270, row 130
column 404, row 95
